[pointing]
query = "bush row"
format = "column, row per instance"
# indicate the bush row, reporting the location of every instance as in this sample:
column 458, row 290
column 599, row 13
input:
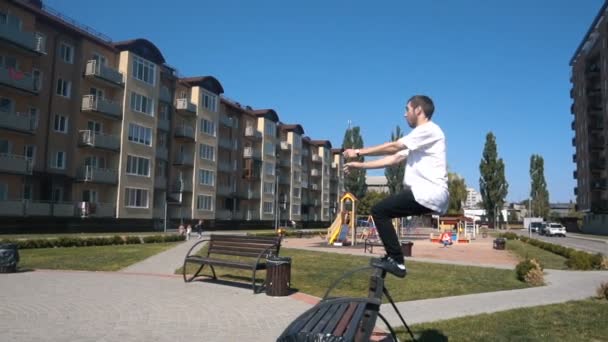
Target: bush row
column 290, row 233
column 530, row 271
column 65, row 241
column 576, row 260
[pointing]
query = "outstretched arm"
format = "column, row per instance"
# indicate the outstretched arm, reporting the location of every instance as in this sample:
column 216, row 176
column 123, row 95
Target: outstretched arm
column 378, row 150
column 375, row 164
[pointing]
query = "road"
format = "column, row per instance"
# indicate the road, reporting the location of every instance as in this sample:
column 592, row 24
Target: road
column 593, row 246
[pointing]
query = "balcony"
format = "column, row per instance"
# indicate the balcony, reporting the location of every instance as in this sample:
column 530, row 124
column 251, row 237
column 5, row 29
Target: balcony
column 165, row 95
column 183, row 159
column 315, row 173
column 597, row 143
column 284, row 180
column 226, row 143
column 574, row 158
column 250, row 152
column 599, row 185
column 285, row 162
column 12, row 33
column 316, row 158
column 162, row 153
column 89, row 138
column 314, row 187
column 92, row 174
column 574, row 175
column 223, row 214
column 93, row 103
column 224, row 167
column 252, row 133
column 163, row 124
column 598, row 165
column 184, row 131
column 182, row 185
column 252, row 194
column 285, row 146
column 225, row 190
column 160, row 182
column 226, row 121
column 575, row 191
column 573, row 125
column 251, row 215
column 19, row 80
column 18, row 122
column 595, row 125
column 574, row 141
column 12, row 163
column 108, row 75
column 304, row 184
column 184, row 106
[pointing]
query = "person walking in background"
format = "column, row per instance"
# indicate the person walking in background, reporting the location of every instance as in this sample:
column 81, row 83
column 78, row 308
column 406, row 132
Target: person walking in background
column 199, row 229
column 425, row 180
column 188, row 231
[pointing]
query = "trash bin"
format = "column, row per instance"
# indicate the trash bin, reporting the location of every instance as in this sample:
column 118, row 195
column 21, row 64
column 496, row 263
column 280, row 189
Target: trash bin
column 406, row 248
column 9, row 257
column 500, row 243
column 278, row 276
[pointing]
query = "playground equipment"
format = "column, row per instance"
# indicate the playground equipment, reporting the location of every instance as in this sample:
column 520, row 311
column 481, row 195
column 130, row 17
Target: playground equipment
column 337, row 233
column 462, row 228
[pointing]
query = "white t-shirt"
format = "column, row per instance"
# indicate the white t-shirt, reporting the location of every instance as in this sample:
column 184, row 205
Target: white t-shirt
column 426, row 167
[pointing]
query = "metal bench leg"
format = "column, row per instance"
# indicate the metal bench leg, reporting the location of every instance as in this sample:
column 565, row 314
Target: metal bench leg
column 253, row 281
column 195, row 274
column 390, row 329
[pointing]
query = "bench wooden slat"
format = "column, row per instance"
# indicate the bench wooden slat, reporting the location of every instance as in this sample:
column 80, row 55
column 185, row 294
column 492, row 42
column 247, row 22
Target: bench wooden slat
column 237, row 253
column 253, row 239
column 237, row 247
column 344, row 320
column 329, row 321
column 315, row 318
column 351, row 330
column 225, row 263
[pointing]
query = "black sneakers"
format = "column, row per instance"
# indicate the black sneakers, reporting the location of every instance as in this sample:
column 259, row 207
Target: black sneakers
column 389, row 265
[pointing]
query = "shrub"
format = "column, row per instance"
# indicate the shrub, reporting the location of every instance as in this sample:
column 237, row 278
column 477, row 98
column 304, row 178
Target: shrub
column 535, row 277
column 604, row 263
column 132, row 240
column 509, row 236
column 597, row 260
column 602, row 291
column 117, row 240
column 530, row 271
column 153, row 239
column 579, row 261
column 523, row 268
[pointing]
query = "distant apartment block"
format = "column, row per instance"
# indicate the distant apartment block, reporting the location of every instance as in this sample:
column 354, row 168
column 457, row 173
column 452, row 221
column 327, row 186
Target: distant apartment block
column 590, row 116
column 473, row 198
column 101, row 129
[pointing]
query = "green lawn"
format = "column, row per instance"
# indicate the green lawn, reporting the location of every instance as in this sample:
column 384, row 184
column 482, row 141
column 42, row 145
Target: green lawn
column 314, row 272
column 94, row 258
column 546, row 258
column 574, row 321
column 77, row 235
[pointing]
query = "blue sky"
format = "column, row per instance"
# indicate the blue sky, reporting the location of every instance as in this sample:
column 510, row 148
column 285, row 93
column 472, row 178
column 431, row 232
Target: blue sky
column 500, row 66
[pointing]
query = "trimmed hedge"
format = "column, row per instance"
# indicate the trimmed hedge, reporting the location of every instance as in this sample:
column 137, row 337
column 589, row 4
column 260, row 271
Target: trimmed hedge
column 66, row 241
column 577, row 260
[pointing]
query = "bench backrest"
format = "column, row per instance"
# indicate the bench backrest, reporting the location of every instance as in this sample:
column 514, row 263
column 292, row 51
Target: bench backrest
column 244, row 246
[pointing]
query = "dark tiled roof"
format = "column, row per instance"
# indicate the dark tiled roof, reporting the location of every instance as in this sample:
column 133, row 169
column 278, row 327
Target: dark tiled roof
column 208, row 82
column 142, row 47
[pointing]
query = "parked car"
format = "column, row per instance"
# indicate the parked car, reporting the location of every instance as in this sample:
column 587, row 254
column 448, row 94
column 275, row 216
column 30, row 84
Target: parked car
column 542, row 230
column 535, row 226
column 555, row 229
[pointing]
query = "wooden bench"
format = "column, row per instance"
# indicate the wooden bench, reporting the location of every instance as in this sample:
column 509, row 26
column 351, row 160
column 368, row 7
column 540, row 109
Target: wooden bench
column 243, row 252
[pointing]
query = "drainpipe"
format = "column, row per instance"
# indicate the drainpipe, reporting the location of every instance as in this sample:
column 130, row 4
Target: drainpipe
column 50, row 117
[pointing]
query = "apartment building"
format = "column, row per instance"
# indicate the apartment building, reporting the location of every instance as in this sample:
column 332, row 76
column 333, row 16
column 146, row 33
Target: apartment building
column 91, row 128
column 590, row 116
column 473, row 198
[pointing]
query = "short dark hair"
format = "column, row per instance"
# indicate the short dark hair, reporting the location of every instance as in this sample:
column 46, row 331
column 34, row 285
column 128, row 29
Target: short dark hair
column 425, row 102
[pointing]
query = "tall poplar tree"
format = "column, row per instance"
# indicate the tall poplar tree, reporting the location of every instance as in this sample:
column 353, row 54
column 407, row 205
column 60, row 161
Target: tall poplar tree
column 354, row 182
column 394, row 174
column 492, row 183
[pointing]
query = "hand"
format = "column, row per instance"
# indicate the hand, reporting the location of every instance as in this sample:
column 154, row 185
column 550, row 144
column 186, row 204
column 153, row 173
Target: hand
column 349, row 153
column 351, row 166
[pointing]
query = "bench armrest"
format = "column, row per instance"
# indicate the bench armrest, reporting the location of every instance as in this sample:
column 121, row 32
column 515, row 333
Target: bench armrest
column 196, row 244
column 265, row 251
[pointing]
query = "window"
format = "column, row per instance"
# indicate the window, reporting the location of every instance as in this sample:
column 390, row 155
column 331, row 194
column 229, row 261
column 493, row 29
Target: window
column 269, row 169
column 295, row 209
column 268, row 188
column 296, row 192
column 94, row 126
column 140, row 134
column 57, row 195
column 5, row 147
column 204, row 202
column 161, row 168
column 136, row 198
column 206, row 152
column 8, row 62
column 268, row 208
column 144, row 70
column 3, row 191
column 27, row 191
column 142, row 104
column 58, row 161
column 29, row 151
column 270, row 128
column 138, row 166
column 269, row 149
column 163, row 112
column 64, row 88
column 206, row 177
column 99, row 58
column 34, row 115
column 37, row 76
column 89, row 196
column 66, row 51
column 208, row 127
column 7, row 105
column 3, row 17
column 210, row 101
column 61, row 124
column 161, row 139
column 40, row 40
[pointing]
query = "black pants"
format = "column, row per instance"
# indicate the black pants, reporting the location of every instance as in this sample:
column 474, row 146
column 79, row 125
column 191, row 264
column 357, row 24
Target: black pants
column 398, row 205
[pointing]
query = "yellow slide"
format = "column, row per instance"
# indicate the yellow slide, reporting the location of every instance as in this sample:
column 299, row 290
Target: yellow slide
column 334, row 230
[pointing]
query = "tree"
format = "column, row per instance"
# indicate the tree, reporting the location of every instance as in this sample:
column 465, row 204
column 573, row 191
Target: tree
column 538, row 188
column 364, row 206
column 394, row 174
column 492, row 183
column 458, row 194
column 354, row 182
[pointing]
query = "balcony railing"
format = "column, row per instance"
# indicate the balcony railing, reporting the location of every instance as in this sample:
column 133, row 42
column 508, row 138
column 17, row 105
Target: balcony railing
column 224, row 167
column 574, row 158
column 165, row 94
column 162, row 153
column 104, row 72
column 94, row 103
column 251, row 132
column 314, row 187
column 12, row 163
column 304, row 184
column 226, row 121
column 316, row 158
column 315, row 172
column 285, row 162
column 223, row 214
column 92, row 139
column 184, row 106
column 184, row 131
column 19, row 80
column 92, row 174
column 21, row 122
column 184, row 159
column 252, row 194
column 226, row 143
column 284, row 180
column 28, row 41
column 225, row 190
column 163, row 124
column 285, row 146
column 250, row 152
column 160, row 182
column 251, row 215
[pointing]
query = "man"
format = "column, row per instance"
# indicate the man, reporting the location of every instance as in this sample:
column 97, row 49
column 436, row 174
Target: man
column 425, row 179
column 199, row 229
